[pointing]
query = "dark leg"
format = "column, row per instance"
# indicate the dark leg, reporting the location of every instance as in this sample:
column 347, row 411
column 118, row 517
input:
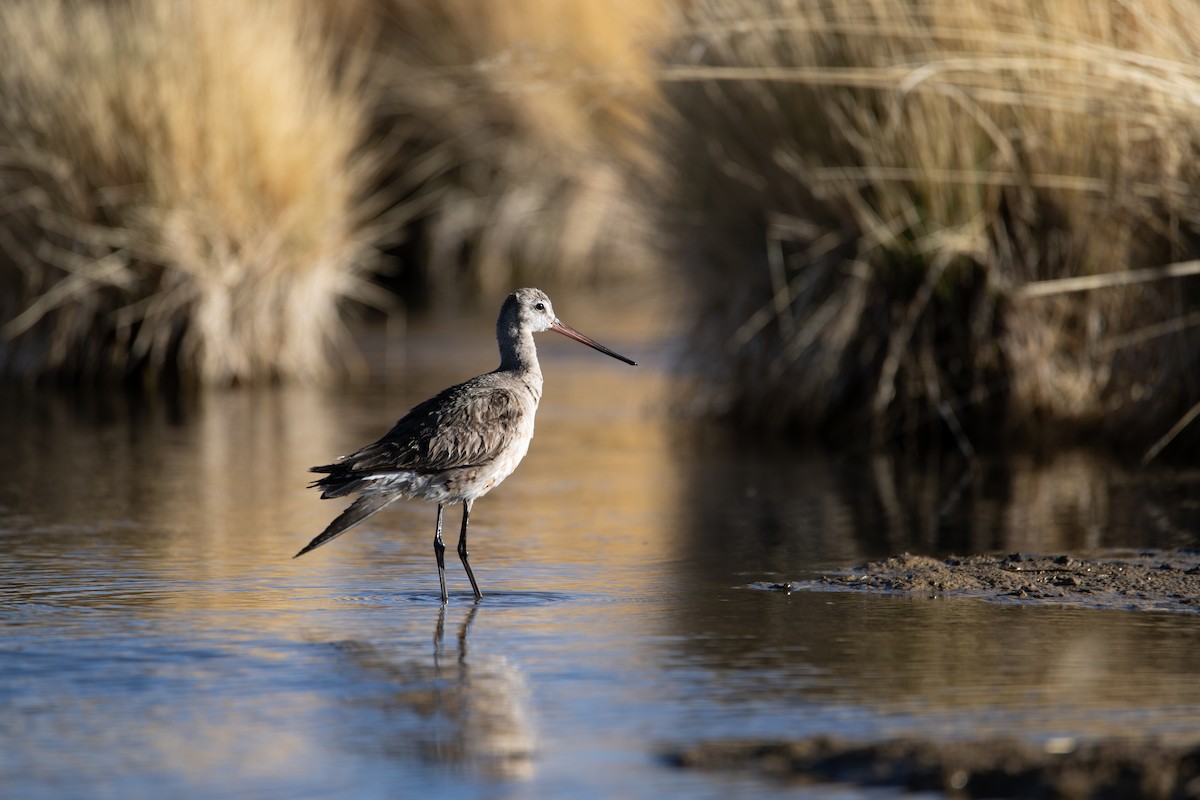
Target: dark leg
column 439, row 550
column 462, row 548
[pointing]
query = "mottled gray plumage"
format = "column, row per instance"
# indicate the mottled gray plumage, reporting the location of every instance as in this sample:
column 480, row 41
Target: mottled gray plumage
column 457, row 446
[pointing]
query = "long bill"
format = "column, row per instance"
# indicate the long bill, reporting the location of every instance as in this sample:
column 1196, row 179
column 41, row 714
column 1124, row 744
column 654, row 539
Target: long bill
column 566, row 330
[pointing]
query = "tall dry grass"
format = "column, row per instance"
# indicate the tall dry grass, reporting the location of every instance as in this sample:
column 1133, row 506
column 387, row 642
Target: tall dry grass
column 518, row 133
column 880, row 181
column 197, row 186
column 181, row 189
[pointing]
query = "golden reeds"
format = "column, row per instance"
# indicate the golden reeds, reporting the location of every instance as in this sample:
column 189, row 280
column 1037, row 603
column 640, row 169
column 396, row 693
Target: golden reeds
column 195, row 186
column 521, row 132
column 870, row 194
column 182, row 189
column 881, row 181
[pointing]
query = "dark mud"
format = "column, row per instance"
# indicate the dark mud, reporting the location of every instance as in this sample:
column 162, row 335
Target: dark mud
column 991, row 769
column 1164, row 580
column 1161, row 580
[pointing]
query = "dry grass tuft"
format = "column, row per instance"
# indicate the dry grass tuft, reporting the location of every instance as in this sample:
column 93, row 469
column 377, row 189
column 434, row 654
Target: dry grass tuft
column 195, row 186
column 519, row 136
column 878, row 181
column 181, row 189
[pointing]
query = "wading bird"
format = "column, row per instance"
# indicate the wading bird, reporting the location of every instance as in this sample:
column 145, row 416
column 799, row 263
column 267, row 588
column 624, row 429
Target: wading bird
column 459, row 445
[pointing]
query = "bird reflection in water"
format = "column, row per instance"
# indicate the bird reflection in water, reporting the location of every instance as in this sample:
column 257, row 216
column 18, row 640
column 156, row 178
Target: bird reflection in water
column 472, row 710
column 490, row 700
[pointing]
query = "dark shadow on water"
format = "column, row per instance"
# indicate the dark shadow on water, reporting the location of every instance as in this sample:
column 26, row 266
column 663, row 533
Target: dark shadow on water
column 776, row 511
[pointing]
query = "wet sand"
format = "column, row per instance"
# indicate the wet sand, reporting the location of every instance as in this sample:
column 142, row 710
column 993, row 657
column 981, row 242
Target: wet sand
column 984, row 769
column 1159, row 580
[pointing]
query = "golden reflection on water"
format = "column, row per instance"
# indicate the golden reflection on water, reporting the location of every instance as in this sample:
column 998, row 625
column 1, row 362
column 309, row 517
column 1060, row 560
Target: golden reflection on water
column 963, row 667
column 614, row 564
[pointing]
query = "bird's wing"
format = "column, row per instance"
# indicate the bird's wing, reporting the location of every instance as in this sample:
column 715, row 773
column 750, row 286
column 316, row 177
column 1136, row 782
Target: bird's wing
column 464, row 425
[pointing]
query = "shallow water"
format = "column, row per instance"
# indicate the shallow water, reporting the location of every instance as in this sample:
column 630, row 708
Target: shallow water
column 159, row 641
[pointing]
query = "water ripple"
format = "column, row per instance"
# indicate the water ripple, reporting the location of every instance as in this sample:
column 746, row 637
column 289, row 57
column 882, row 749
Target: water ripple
column 500, row 599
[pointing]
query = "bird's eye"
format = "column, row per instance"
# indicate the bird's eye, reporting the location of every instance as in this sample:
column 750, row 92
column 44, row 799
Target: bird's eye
column 540, row 306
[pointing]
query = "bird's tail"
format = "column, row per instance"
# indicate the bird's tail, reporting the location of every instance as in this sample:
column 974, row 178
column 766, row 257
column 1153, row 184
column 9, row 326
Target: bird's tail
column 355, row 513
column 339, row 482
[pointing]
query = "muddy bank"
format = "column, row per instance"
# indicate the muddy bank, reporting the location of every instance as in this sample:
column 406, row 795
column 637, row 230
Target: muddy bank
column 992, row 769
column 1164, row 580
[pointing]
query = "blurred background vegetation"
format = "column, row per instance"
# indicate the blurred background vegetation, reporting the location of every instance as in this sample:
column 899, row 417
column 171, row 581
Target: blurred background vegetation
column 973, row 222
